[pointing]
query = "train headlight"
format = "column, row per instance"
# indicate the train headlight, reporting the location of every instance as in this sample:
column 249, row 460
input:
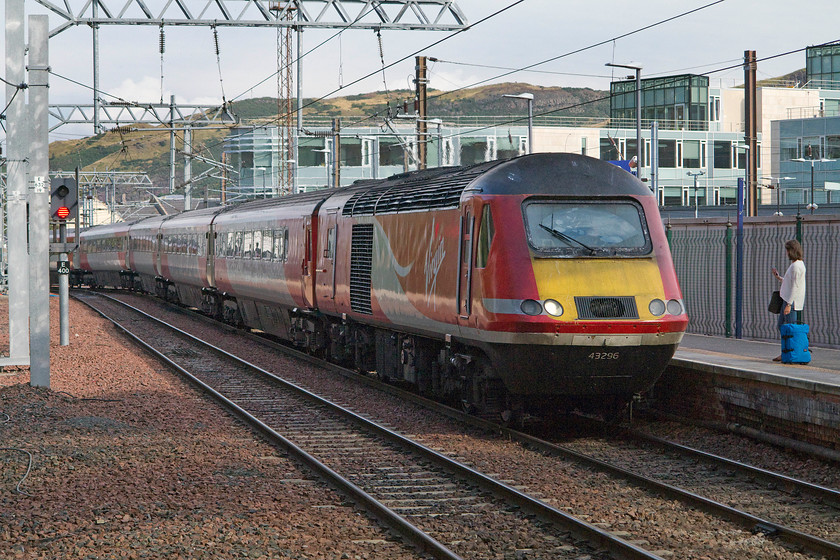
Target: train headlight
column 675, row 307
column 531, row 307
column 553, row 307
column 657, row 307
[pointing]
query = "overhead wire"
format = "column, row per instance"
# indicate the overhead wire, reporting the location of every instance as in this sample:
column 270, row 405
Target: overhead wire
column 607, row 97
column 492, row 67
column 307, row 53
column 511, row 71
column 392, row 64
column 583, row 49
column 567, row 54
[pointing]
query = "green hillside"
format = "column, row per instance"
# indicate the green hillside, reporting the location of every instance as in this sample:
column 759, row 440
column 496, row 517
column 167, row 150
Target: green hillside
column 146, row 148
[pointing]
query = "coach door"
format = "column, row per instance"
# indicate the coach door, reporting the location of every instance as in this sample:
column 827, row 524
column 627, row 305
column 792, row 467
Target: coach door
column 307, row 271
column 209, row 256
column 327, row 250
column 465, row 250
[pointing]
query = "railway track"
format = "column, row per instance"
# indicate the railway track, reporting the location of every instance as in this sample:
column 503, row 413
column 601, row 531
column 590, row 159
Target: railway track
column 443, row 507
column 776, row 507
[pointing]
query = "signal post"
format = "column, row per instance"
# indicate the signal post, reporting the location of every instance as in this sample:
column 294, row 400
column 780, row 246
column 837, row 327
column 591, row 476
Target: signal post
column 64, row 204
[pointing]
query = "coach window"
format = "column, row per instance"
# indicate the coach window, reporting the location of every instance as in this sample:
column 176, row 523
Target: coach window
column 284, row 255
column 237, row 244
column 247, row 244
column 485, row 237
column 258, row 244
column 268, row 245
column 278, row 244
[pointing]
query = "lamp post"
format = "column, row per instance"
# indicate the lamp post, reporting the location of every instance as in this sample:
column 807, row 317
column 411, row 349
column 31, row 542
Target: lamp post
column 530, row 98
column 812, row 206
column 695, row 174
column 777, row 181
column 638, row 70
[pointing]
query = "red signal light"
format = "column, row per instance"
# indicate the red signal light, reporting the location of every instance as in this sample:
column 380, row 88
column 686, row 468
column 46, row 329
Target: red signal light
column 62, row 212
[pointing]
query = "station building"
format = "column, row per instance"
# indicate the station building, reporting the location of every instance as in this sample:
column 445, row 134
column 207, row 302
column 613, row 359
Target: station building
column 701, row 150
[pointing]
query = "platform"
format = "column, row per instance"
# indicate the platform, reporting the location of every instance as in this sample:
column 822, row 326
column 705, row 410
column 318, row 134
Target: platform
column 735, row 385
column 754, row 360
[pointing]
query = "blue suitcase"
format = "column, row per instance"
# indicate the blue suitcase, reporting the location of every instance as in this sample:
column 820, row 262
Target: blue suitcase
column 795, row 344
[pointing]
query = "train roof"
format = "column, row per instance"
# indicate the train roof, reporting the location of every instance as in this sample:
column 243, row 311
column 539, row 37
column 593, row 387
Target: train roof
column 555, row 174
column 107, row 230
column 536, row 174
column 559, row 174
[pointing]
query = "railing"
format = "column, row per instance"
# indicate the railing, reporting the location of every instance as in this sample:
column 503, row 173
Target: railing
column 485, row 121
column 810, row 112
column 704, row 253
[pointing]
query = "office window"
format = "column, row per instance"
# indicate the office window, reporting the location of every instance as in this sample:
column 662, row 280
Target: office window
column 832, row 147
column 667, row 153
column 722, row 155
column 789, row 149
column 609, row 149
column 691, row 153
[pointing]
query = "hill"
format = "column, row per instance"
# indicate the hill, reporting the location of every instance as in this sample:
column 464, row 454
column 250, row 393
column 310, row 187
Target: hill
column 146, row 148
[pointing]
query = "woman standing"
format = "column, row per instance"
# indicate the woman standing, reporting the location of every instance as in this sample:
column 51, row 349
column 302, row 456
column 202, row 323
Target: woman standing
column 793, row 286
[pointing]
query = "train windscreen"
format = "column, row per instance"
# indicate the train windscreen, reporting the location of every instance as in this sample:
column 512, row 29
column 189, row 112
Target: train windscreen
column 586, row 228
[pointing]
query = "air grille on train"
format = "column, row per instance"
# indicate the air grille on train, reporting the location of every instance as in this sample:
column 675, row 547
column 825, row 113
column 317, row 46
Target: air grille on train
column 606, row 308
column 410, row 195
column 361, row 259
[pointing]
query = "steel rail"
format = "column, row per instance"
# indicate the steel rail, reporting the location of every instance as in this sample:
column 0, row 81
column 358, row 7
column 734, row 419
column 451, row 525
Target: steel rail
column 713, row 507
column 588, row 532
column 824, row 493
column 396, row 522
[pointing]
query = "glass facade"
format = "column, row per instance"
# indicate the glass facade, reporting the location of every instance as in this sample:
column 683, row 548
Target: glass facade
column 822, row 67
column 675, row 102
column 809, row 146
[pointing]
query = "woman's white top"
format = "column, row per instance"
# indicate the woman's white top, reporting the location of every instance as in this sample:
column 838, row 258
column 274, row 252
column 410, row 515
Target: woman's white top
column 793, row 285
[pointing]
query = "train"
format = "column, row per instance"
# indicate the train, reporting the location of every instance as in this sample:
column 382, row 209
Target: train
column 540, row 282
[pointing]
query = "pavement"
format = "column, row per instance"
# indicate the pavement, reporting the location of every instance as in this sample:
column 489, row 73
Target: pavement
column 754, row 359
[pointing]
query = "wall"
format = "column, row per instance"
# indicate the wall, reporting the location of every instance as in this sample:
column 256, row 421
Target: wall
column 797, row 413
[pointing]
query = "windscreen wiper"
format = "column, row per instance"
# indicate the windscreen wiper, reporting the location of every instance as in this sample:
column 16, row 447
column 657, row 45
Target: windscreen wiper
column 567, row 238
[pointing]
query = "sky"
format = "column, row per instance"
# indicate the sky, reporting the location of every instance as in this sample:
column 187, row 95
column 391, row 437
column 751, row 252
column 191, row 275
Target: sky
column 581, row 36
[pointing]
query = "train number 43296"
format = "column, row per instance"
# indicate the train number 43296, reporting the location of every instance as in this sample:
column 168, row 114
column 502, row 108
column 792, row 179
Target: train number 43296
column 603, row 356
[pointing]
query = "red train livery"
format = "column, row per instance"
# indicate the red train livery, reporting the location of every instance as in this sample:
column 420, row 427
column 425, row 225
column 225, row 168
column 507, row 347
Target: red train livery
column 543, row 280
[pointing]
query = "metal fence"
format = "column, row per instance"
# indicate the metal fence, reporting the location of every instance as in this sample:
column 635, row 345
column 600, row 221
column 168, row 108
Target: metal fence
column 706, row 257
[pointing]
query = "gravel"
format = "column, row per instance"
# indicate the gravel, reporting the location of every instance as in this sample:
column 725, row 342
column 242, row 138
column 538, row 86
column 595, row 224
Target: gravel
column 660, row 525
column 129, row 461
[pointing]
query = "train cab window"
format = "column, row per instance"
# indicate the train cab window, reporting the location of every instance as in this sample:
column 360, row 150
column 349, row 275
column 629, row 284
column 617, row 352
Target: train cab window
column 587, row 228
column 485, row 237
